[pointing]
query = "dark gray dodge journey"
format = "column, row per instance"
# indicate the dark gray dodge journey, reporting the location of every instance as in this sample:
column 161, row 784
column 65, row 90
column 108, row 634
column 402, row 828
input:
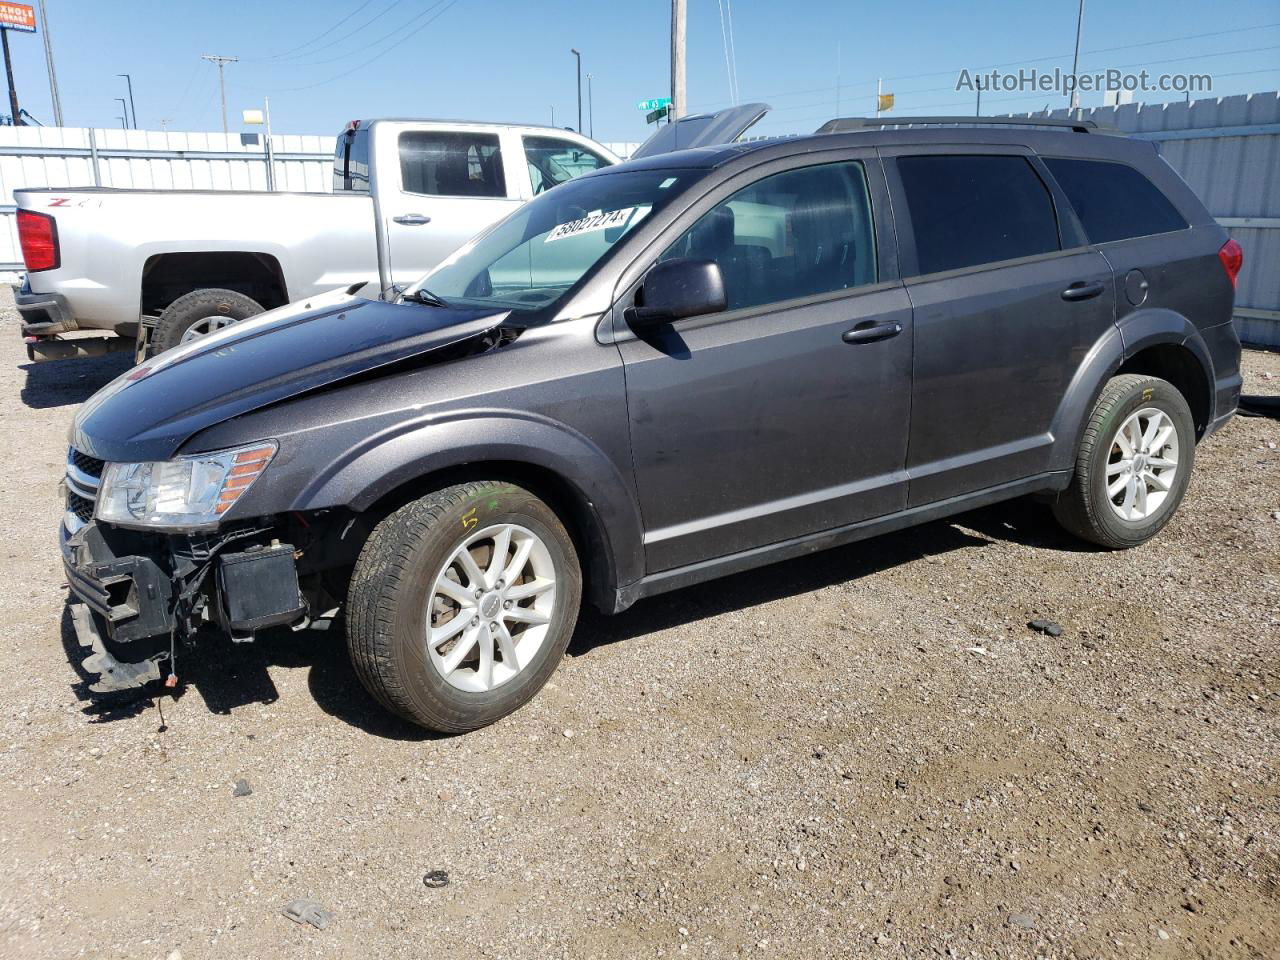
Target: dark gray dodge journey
column 667, row 371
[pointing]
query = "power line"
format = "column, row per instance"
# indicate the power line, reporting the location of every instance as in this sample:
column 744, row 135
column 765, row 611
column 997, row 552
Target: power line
column 347, row 53
column 344, row 38
column 319, row 36
column 413, row 31
column 733, row 52
column 1009, row 63
column 1123, row 66
column 728, row 67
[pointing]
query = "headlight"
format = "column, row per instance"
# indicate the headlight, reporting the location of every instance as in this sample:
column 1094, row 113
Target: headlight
column 187, row 492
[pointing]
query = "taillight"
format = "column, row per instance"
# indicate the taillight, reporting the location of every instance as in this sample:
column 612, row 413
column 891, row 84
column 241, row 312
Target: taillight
column 38, row 235
column 1232, row 257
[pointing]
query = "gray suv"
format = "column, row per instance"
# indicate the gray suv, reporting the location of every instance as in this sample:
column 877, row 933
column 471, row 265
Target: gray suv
column 674, row 369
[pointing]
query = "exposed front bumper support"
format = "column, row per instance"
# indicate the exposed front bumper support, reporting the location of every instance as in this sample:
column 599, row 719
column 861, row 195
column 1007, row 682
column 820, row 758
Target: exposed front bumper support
column 115, row 676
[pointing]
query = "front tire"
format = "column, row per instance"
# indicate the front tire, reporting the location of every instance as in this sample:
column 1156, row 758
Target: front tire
column 198, row 313
column 461, row 605
column 1133, row 465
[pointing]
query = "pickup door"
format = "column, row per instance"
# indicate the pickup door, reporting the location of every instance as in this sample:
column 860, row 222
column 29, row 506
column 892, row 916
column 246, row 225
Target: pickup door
column 438, row 186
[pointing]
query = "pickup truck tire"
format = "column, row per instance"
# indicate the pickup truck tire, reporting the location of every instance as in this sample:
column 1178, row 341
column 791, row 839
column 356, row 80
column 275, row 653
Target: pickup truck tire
column 1133, row 465
column 461, row 605
column 213, row 307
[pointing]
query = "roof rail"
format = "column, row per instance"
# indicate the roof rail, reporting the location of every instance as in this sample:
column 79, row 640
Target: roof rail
column 849, row 124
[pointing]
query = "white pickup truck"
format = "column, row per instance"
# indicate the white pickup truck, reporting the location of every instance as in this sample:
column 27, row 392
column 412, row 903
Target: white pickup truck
column 155, row 268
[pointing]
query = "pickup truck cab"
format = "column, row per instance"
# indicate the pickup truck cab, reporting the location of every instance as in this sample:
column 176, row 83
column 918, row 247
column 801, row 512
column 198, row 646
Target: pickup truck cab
column 155, row 268
column 674, row 369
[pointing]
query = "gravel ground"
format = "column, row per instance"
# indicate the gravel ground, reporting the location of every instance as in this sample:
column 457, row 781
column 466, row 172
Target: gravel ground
column 863, row 753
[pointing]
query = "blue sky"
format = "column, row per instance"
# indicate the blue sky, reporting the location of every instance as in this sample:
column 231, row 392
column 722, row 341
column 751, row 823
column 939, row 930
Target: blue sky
column 510, row 60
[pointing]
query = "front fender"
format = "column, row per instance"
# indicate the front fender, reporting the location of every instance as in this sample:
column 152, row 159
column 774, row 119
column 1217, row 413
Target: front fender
column 1133, row 334
column 415, row 447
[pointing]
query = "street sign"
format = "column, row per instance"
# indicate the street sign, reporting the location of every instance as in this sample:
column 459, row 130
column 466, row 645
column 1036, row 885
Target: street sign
column 656, row 115
column 657, row 103
column 18, row 16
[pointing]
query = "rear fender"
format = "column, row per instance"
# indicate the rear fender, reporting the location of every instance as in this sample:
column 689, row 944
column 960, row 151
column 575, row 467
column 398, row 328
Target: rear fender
column 1135, row 333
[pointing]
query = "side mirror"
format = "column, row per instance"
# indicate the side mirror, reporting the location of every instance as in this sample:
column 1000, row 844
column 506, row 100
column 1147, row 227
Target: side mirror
column 678, row 288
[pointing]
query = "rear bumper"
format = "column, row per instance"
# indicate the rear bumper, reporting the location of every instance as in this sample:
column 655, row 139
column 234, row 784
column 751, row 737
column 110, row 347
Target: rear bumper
column 43, row 314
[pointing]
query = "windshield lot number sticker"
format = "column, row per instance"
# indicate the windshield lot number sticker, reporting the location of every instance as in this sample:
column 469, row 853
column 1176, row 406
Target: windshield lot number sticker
column 597, row 221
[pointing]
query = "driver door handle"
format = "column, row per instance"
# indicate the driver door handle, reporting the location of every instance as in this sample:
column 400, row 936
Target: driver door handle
column 1080, row 290
column 869, row 331
column 412, row 219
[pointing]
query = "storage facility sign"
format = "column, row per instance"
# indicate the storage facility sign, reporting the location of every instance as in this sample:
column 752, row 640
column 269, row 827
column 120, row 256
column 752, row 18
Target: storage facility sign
column 18, row 16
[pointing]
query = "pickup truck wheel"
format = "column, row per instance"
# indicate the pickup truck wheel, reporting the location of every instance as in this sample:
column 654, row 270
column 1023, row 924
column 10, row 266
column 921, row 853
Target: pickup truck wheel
column 198, row 313
column 461, row 605
column 1133, row 464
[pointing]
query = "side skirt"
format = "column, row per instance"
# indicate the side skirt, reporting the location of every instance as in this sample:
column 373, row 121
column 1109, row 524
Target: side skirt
column 704, row 570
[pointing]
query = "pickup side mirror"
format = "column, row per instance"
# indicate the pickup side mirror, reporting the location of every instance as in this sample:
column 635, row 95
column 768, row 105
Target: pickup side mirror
column 678, row 288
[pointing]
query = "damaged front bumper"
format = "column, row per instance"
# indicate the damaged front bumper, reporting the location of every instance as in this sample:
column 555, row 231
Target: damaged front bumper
column 134, row 595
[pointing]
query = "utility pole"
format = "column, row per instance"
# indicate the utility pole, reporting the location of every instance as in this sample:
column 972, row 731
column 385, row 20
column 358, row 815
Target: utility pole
column 579, row 56
column 8, row 71
column 132, row 109
column 1075, row 64
column 677, row 60
column 591, row 113
column 222, row 82
column 53, row 75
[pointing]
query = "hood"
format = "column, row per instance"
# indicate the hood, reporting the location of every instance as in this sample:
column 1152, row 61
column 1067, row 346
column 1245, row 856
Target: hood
column 150, row 411
column 702, row 130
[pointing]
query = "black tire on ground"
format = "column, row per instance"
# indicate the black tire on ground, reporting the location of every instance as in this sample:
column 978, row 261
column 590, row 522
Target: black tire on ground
column 391, row 586
column 1084, row 508
column 191, row 308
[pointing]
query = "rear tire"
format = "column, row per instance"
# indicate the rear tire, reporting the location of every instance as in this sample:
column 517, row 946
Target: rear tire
column 411, row 585
column 1133, row 464
column 211, row 307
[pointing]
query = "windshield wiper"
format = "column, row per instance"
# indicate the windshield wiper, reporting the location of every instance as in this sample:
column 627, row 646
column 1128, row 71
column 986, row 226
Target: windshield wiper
column 425, row 297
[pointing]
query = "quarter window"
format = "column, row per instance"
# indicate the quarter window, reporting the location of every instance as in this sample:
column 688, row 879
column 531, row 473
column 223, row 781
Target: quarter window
column 970, row 210
column 452, row 164
column 1113, row 200
column 553, row 161
column 794, row 234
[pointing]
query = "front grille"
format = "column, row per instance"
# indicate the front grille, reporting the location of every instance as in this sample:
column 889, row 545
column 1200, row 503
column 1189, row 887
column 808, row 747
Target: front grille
column 80, row 507
column 84, row 473
column 86, row 464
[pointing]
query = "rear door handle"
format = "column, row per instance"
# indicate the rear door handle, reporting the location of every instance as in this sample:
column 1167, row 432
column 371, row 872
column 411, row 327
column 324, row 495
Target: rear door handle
column 412, row 219
column 869, row 331
column 1080, row 290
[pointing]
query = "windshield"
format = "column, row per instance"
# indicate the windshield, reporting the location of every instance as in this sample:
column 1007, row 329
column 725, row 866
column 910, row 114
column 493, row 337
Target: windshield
column 532, row 258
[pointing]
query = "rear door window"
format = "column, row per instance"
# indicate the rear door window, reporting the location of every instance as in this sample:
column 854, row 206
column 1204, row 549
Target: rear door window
column 552, row 161
column 452, row 164
column 1113, row 200
column 968, row 210
column 793, row 234
column 351, row 162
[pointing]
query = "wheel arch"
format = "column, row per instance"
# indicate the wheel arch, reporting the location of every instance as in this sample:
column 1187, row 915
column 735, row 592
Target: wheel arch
column 586, row 489
column 168, row 276
column 1158, row 343
column 566, row 500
